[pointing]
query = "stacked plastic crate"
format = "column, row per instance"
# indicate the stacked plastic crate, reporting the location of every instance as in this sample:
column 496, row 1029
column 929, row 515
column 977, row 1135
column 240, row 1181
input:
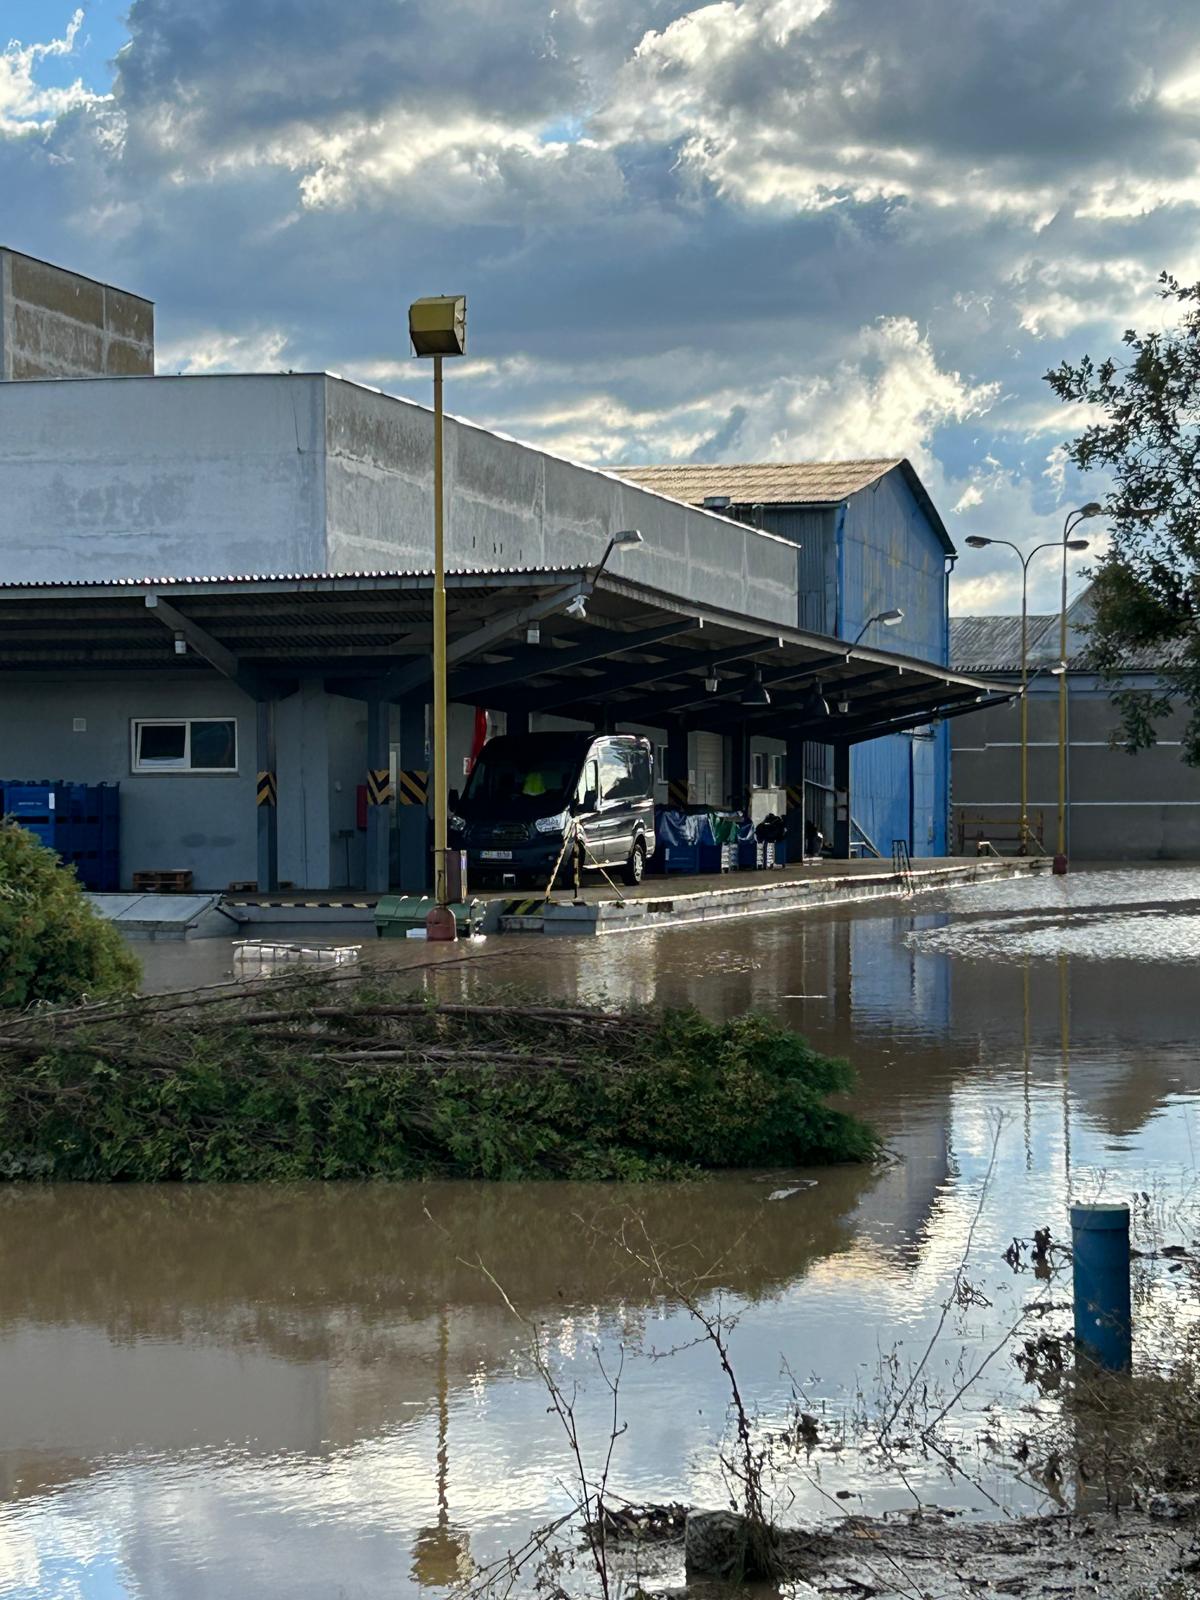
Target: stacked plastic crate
column 80, row 821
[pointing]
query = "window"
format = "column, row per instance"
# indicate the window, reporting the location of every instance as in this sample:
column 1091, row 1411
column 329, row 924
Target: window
column 776, row 771
column 614, row 772
column 191, row 744
column 758, row 770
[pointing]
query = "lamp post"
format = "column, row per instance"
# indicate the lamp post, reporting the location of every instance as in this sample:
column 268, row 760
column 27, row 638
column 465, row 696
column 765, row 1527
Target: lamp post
column 437, row 326
column 888, row 618
column 1092, row 509
column 976, row 541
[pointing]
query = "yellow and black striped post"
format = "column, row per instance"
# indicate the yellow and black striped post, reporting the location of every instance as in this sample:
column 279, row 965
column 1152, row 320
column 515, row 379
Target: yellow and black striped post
column 677, row 794
column 795, row 796
column 414, row 786
column 266, row 799
column 379, row 786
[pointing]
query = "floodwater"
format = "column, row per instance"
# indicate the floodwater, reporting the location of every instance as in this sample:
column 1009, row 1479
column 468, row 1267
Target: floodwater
column 320, row 1391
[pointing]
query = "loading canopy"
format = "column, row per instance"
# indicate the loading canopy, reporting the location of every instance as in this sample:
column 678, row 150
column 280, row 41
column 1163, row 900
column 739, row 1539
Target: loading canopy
column 636, row 655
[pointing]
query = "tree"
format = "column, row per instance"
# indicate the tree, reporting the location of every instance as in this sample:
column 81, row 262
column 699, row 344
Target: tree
column 53, row 946
column 1146, row 586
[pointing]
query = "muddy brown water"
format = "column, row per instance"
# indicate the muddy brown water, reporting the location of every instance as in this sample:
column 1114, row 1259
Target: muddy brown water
column 312, row 1391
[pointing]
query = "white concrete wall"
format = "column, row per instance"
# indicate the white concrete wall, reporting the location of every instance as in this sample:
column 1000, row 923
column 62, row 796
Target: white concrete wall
column 106, row 478
column 278, row 473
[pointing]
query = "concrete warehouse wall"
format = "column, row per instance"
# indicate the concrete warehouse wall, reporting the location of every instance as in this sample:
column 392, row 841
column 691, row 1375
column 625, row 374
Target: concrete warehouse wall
column 199, row 477
column 1121, row 807
column 57, row 324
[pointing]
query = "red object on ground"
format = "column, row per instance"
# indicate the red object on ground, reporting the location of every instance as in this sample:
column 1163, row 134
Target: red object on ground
column 1060, row 866
column 440, row 925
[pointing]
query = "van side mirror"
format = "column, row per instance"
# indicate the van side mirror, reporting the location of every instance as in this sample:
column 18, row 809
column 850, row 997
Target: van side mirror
column 589, row 801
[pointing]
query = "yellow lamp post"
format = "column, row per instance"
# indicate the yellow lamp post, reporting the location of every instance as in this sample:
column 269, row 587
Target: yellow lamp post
column 977, row 541
column 1092, row 509
column 437, row 326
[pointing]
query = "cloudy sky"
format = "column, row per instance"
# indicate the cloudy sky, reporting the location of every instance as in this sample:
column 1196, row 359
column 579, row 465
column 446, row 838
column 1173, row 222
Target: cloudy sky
column 756, row 229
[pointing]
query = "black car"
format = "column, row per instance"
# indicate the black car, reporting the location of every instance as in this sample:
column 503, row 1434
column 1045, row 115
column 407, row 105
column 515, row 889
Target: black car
column 526, row 792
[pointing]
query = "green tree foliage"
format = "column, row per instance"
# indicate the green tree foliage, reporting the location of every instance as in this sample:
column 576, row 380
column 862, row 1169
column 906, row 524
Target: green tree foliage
column 1147, row 584
column 388, row 1085
column 53, row 946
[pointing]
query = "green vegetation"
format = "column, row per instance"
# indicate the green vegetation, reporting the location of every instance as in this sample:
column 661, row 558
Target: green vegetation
column 1144, row 432
column 355, row 1078
column 53, row 946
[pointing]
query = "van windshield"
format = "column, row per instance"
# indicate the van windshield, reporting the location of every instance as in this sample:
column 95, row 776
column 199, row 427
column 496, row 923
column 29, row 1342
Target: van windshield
column 520, row 780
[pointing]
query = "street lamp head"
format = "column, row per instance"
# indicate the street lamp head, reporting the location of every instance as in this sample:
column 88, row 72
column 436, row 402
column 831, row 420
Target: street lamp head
column 627, row 536
column 1077, row 544
column 1092, row 509
column 976, row 541
column 890, row 618
column 437, row 325
column 1058, row 669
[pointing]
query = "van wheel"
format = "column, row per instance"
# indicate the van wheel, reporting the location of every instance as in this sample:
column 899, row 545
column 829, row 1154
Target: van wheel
column 635, row 867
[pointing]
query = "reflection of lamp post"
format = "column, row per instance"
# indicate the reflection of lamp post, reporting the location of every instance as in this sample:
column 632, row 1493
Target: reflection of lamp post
column 437, row 327
column 976, row 541
column 440, row 1554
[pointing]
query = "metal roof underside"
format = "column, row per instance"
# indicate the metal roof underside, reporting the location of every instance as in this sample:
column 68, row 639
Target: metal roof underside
column 783, row 483
column 638, row 656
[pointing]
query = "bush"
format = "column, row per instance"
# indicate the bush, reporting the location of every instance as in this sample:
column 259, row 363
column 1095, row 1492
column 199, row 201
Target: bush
column 379, row 1083
column 53, row 946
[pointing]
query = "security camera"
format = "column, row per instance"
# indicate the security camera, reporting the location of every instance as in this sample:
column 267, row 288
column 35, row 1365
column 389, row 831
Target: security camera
column 577, row 608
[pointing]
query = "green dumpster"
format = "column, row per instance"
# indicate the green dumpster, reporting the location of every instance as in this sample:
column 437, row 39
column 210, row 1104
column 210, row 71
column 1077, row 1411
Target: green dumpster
column 397, row 915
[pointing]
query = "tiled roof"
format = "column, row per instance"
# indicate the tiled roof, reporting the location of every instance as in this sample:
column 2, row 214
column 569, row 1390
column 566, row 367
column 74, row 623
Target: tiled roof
column 766, row 483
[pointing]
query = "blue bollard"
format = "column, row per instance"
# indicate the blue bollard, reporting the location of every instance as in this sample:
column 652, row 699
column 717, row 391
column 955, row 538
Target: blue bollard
column 1103, row 1314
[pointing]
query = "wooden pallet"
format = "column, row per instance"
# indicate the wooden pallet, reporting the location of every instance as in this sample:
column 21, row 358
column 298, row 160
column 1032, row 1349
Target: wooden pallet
column 178, row 882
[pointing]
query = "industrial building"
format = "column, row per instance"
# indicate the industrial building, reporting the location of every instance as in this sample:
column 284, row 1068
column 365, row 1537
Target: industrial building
column 1120, row 806
column 869, row 541
column 216, row 592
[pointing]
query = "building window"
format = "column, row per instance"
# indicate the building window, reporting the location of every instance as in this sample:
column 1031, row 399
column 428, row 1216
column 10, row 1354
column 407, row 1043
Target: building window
column 777, row 771
column 660, row 763
column 758, row 770
column 188, row 744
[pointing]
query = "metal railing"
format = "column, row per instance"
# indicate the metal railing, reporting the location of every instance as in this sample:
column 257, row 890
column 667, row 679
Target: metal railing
column 975, row 827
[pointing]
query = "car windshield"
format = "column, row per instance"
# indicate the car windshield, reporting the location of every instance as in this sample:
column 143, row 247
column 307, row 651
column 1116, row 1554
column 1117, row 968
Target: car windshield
column 522, row 780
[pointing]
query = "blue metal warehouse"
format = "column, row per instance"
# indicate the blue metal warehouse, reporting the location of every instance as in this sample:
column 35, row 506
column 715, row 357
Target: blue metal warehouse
column 871, row 541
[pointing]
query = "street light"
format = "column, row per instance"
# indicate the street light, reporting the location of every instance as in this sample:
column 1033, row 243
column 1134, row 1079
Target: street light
column 437, row 326
column 1074, row 518
column 888, row 618
column 627, row 536
column 976, row 541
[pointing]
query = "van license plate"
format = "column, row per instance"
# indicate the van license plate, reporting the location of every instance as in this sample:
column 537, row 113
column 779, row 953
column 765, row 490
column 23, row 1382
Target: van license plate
column 495, row 855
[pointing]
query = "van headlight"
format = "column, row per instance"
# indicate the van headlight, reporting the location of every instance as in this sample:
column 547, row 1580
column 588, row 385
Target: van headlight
column 555, row 824
column 455, row 824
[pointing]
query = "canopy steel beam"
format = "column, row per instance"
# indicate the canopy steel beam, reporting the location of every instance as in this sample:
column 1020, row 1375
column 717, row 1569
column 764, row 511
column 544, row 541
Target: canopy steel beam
column 594, row 691
column 414, row 674
column 536, row 660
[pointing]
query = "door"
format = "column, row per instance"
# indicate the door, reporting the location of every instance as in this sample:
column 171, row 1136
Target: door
column 614, row 819
column 924, row 794
column 710, row 770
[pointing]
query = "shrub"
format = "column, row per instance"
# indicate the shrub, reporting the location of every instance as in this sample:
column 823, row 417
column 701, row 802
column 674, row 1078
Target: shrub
column 53, row 946
column 357, row 1079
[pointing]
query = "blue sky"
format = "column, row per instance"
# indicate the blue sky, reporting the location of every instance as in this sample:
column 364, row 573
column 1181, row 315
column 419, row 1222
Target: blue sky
column 751, row 229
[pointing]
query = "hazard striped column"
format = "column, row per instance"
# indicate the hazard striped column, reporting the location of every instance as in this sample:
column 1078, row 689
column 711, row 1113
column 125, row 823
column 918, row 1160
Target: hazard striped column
column 266, row 796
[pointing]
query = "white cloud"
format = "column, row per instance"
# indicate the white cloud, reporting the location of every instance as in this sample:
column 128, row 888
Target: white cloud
column 213, row 351
column 24, row 106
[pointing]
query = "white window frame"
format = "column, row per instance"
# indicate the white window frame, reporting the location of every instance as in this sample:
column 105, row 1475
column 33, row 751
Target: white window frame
column 183, row 768
column 775, row 770
column 759, row 770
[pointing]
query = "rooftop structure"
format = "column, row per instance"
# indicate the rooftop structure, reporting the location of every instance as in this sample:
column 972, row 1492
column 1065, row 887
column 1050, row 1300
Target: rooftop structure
column 59, row 324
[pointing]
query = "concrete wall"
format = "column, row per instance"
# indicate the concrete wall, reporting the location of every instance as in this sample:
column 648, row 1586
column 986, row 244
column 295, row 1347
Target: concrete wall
column 57, row 324
column 1140, row 807
column 175, row 477
column 512, row 506
column 200, row 477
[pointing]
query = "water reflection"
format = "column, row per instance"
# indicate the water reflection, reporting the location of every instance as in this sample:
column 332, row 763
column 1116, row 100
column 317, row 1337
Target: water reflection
column 313, row 1391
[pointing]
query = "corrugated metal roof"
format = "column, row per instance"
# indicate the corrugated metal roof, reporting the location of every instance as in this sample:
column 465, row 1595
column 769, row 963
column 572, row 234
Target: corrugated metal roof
column 993, row 644
column 152, row 582
column 764, row 483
